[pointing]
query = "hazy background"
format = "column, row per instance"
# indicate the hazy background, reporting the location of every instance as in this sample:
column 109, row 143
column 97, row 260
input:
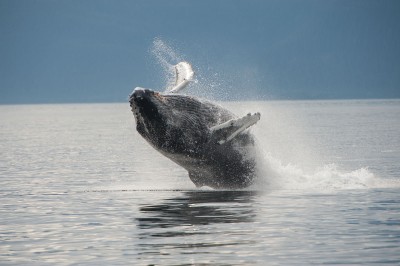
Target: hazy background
column 97, row 51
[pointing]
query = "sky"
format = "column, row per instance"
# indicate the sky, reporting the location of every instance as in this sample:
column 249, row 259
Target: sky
column 59, row 51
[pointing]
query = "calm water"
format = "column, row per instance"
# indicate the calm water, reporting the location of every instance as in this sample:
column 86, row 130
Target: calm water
column 78, row 185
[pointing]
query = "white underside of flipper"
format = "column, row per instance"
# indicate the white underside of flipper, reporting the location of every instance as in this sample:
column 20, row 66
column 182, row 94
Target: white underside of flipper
column 234, row 127
column 183, row 76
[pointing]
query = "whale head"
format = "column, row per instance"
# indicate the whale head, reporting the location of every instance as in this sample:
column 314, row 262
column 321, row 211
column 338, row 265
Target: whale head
column 172, row 122
column 150, row 121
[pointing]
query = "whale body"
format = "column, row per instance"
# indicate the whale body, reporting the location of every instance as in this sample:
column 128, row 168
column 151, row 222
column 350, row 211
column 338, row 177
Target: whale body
column 209, row 141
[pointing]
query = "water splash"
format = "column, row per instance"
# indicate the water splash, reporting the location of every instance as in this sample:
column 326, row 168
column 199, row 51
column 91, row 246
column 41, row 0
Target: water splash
column 274, row 175
column 207, row 82
column 273, row 172
column 166, row 58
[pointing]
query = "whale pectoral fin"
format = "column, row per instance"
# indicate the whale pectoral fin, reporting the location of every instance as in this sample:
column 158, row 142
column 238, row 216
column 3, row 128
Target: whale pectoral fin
column 230, row 129
column 183, row 75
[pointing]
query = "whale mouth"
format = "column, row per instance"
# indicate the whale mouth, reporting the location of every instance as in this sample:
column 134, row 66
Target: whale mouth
column 145, row 103
column 140, row 97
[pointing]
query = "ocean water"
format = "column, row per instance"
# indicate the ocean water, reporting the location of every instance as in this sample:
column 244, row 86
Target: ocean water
column 79, row 186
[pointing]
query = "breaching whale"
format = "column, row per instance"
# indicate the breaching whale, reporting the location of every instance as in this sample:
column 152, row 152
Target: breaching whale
column 209, row 141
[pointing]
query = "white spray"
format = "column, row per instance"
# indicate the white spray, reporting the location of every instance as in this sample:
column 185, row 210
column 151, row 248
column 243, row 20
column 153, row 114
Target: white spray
column 274, row 140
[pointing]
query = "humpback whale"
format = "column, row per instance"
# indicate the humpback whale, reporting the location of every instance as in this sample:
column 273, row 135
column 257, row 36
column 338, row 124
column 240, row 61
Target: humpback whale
column 209, row 141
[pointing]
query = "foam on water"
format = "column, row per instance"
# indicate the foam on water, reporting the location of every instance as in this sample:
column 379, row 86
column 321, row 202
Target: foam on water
column 274, row 175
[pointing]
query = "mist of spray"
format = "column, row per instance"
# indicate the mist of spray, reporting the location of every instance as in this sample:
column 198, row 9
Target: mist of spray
column 166, row 58
column 207, row 83
column 302, row 170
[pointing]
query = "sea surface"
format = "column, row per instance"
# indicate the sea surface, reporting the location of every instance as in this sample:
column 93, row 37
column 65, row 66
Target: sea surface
column 79, row 186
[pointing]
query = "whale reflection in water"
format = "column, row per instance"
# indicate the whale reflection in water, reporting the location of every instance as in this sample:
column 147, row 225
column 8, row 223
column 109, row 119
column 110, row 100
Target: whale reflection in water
column 193, row 223
column 198, row 208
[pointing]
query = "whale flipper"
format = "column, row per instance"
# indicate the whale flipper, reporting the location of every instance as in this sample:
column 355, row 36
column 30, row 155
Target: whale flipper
column 183, row 75
column 227, row 131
